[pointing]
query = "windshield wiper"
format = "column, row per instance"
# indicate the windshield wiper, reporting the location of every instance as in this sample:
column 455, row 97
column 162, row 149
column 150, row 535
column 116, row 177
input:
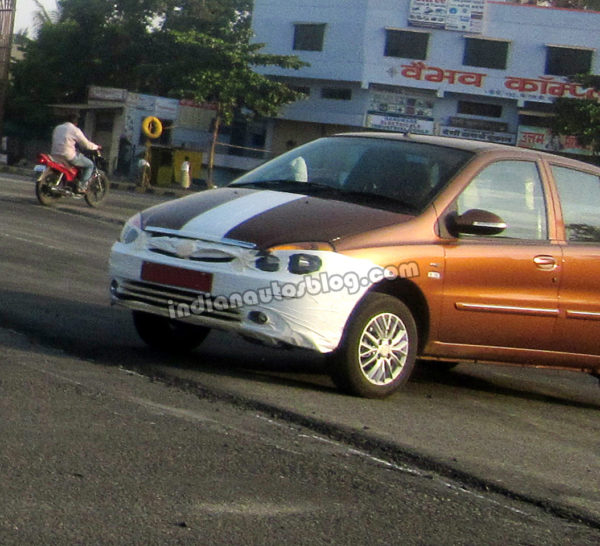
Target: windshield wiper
column 358, row 197
column 282, row 182
column 390, row 202
column 289, row 185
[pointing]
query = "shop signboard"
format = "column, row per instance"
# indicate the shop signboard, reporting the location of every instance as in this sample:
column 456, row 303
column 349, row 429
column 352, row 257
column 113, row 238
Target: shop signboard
column 107, row 93
column 399, row 124
column 141, row 102
column 526, row 88
column 396, row 109
column 542, row 138
column 395, row 101
column 166, row 108
column 478, row 134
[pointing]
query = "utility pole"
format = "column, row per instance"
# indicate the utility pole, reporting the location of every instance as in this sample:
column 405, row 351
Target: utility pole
column 7, row 23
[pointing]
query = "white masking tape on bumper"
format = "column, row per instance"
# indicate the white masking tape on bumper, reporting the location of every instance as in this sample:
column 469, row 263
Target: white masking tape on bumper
column 308, row 311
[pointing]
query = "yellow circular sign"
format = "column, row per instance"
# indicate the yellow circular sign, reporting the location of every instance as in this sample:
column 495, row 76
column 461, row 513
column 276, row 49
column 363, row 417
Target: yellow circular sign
column 152, row 127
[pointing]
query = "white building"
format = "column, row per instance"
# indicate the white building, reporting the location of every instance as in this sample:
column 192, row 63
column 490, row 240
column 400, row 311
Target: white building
column 467, row 68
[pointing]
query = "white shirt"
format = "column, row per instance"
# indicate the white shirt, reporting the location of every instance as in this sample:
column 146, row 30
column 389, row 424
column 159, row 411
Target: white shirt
column 64, row 138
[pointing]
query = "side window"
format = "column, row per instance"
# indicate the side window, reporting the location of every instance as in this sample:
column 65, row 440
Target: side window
column 513, row 191
column 579, row 194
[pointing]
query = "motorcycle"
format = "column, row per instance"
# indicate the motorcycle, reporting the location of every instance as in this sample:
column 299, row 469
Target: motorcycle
column 59, row 179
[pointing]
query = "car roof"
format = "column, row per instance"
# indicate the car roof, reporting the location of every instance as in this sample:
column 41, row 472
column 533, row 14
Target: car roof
column 475, row 146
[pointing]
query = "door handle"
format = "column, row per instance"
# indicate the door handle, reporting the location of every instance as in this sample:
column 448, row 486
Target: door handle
column 547, row 263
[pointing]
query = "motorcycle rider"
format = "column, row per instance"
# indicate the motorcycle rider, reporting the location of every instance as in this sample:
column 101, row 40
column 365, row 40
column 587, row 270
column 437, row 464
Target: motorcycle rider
column 64, row 138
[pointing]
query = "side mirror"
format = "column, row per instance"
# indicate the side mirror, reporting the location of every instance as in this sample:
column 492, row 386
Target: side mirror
column 475, row 222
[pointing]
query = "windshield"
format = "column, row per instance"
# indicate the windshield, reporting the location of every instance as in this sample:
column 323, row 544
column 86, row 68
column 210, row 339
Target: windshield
column 391, row 174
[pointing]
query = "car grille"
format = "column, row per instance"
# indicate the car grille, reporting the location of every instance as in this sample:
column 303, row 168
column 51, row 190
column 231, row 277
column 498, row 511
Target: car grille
column 210, row 259
column 189, row 249
column 170, row 299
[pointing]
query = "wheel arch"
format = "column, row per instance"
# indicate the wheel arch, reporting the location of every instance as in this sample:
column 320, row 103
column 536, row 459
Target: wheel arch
column 412, row 296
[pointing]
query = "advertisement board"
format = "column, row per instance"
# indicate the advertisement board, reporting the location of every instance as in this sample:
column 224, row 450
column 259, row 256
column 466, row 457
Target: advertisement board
column 457, row 15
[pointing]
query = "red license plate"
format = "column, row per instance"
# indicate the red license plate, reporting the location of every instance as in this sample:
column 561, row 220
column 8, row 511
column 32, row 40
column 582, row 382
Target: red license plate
column 176, row 276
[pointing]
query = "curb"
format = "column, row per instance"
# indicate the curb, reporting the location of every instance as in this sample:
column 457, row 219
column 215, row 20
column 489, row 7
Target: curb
column 172, row 191
column 117, row 184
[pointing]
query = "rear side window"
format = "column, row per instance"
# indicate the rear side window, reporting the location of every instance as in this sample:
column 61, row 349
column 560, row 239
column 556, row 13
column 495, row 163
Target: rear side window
column 579, row 194
column 513, row 191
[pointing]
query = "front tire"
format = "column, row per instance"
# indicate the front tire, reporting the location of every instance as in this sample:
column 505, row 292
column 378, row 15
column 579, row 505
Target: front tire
column 378, row 350
column 97, row 189
column 168, row 335
column 43, row 188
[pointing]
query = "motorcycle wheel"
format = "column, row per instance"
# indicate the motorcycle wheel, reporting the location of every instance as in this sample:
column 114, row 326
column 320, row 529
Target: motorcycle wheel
column 97, row 189
column 43, row 188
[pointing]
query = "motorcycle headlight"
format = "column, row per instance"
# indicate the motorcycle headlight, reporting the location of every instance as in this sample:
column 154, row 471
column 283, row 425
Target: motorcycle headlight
column 131, row 230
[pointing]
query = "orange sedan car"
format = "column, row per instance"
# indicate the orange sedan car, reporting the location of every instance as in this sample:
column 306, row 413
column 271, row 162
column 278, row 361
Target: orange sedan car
column 378, row 250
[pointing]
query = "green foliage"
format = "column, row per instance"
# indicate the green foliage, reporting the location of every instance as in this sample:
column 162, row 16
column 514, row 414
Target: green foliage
column 220, row 71
column 580, row 117
column 192, row 48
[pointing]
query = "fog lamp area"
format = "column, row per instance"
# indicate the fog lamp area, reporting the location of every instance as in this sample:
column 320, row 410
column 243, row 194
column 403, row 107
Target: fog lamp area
column 302, row 264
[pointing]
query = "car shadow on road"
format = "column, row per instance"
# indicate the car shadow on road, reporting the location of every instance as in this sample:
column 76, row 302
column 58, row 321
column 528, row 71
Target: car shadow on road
column 105, row 335
column 465, row 377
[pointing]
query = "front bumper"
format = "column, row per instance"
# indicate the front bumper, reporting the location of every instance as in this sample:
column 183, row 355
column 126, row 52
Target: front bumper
column 276, row 308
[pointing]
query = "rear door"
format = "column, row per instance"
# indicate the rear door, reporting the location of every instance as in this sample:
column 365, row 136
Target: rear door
column 578, row 328
column 502, row 291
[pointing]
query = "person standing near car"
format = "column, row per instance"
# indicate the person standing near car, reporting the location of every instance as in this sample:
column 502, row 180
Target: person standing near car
column 185, row 173
column 65, row 137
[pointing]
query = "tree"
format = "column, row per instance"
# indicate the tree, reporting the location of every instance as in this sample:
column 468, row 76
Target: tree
column 220, row 71
column 198, row 49
column 86, row 42
column 578, row 4
column 580, row 117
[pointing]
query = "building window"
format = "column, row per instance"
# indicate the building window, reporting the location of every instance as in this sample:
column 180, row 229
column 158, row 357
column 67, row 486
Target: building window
column 485, row 53
column 479, row 109
column 336, row 93
column 309, row 36
column 568, row 61
column 304, row 89
column 406, row 43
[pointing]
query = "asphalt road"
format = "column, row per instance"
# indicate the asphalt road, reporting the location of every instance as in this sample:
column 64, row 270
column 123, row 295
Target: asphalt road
column 516, row 451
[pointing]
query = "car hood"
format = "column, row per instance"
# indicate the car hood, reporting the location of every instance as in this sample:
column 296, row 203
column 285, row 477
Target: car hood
column 266, row 218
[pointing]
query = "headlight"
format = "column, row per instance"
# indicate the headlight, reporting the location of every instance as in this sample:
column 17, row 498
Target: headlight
column 267, row 262
column 299, row 263
column 131, row 230
column 309, row 245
